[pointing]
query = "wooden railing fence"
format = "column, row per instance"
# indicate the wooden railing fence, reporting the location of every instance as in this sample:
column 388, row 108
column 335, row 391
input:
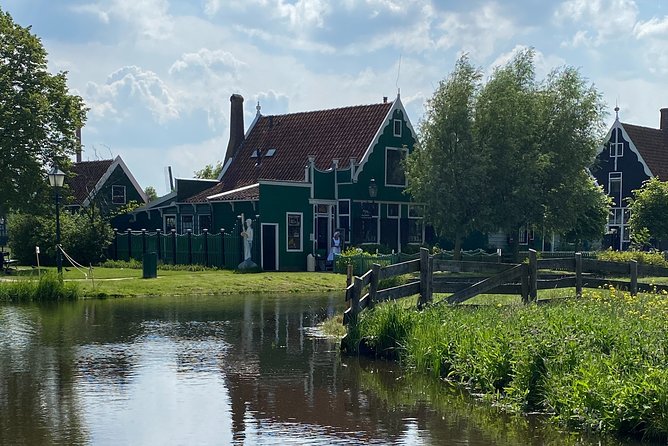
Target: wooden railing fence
column 504, row 278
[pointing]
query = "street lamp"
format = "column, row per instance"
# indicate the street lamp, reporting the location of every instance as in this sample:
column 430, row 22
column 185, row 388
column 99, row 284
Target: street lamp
column 56, row 179
column 373, row 189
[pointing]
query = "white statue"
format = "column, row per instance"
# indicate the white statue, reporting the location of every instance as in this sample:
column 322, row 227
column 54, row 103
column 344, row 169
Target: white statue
column 247, row 234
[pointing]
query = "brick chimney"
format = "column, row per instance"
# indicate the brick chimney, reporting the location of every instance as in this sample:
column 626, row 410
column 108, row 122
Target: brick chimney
column 236, row 125
column 78, row 136
column 663, row 125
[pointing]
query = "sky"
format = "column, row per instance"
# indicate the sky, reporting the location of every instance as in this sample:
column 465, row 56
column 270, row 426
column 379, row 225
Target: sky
column 157, row 75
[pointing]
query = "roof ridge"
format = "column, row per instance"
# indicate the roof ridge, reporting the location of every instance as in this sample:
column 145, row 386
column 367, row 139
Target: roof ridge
column 348, row 107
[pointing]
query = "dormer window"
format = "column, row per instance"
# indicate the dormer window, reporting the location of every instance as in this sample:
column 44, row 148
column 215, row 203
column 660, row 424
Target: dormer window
column 397, row 127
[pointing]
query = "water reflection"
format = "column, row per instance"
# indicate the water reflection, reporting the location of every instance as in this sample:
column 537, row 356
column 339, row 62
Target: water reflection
column 221, row 370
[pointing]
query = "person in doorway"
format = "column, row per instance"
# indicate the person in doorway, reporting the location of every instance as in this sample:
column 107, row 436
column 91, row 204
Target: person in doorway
column 336, row 246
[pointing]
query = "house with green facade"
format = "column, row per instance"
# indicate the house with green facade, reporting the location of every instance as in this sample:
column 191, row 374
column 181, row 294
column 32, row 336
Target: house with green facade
column 300, row 177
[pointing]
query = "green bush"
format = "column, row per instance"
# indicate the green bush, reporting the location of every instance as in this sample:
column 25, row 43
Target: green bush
column 136, row 264
column 655, row 258
column 83, row 237
column 48, row 288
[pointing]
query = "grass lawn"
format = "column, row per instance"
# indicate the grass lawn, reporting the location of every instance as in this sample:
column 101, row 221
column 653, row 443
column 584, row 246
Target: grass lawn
column 122, row 282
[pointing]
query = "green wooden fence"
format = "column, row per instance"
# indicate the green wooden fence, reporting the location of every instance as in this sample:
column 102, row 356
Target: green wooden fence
column 220, row 249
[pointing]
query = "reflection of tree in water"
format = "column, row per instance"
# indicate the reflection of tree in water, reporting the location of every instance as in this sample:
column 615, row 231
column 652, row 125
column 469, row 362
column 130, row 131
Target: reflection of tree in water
column 37, row 402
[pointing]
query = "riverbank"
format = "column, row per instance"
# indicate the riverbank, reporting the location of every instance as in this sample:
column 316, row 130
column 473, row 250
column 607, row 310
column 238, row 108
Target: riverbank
column 599, row 363
column 123, row 282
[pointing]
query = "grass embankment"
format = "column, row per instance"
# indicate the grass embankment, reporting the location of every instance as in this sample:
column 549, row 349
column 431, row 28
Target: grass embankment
column 599, row 363
column 48, row 288
column 121, row 282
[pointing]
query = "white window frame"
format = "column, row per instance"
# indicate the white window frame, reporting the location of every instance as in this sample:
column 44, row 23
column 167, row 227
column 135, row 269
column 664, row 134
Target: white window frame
column 387, row 150
column 387, row 210
column 421, row 217
column 113, row 194
column 301, row 231
column 164, row 222
column 394, row 127
column 616, row 176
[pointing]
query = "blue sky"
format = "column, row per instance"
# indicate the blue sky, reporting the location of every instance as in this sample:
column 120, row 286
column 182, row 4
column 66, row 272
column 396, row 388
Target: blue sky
column 157, row 74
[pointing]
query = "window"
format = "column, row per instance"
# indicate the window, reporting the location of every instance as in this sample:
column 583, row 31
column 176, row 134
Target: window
column 394, row 169
column 344, row 218
column 170, row 223
column 369, row 230
column 294, row 231
column 204, row 223
column 118, row 194
column 626, row 237
column 616, row 149
column 615, row 217
column 615, row 187
column 525, row 235
column 392, row 211
column 397, row 127
column 187, row 223
column 415, row 224
column 616, row 144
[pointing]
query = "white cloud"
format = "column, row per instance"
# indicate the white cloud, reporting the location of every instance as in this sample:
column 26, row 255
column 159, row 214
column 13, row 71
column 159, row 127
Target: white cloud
column 543, row 64
column 210, row 61
column 149, row 18
column 130, row 90
column 603, row 19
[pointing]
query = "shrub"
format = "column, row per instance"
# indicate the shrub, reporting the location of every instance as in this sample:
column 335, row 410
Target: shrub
column 655, row 258
column 83, row 237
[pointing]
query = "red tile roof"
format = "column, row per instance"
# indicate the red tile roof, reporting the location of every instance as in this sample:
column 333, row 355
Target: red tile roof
column 86, row 176
column 340, row 133
column 653, row 147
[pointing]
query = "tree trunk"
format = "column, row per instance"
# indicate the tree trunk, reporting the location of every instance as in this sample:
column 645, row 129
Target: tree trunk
column 457, row 250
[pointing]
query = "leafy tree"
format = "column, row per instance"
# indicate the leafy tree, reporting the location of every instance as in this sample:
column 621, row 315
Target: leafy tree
column 649, row 208
column 83, row 237
column 209, row 172
column 38, row 118
column 510, row 152
column 541, row 136
column 151, row 193
column 447, row 170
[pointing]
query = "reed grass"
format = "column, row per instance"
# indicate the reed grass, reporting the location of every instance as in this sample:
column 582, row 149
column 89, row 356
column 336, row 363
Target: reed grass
column 47, row 288
column 599, row 363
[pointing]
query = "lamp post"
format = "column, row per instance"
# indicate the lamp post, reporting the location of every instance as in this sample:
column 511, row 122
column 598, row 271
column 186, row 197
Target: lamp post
column 56, row 179
column 373, row 189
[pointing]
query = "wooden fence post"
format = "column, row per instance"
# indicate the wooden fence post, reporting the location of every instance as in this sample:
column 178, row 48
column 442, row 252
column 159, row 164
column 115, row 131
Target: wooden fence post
column 115, row 244
column 158, row 244
column 430, row 280
column 373, row 285
column 190, row 246
column 533, row 275
column 424, row 277
column 355, row 301
column 222, row 248
column 206, row 246
column 578, row 274
column 349, row 275
column 129, row 244
column 634, row 277
column 174, row 246
column 525, row 283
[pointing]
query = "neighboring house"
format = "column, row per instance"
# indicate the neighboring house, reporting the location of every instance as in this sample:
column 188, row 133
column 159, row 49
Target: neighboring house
column 630, row 155
column 301, row 177
column 108, row 184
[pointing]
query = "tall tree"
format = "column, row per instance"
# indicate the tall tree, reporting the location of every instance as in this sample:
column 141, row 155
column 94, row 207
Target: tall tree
column 541, row 137
column 447, row 170
column 209, row 172
column 649, row 207
column 38, row 118
column 510, row 152
column 151, row 193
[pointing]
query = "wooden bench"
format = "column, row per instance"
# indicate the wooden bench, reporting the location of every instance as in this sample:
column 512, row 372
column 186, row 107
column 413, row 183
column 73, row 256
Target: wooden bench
column 6, row 262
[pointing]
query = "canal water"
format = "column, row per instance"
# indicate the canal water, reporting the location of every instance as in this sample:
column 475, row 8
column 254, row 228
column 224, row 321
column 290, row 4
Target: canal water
column 242, row 370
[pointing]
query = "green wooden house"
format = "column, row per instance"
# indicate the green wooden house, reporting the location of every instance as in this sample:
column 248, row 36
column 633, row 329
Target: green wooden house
column 300, row 177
